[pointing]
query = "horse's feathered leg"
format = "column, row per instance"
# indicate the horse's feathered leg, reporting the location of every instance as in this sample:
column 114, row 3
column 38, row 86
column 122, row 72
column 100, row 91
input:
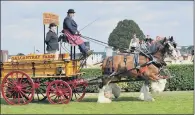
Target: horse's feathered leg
column 145, row 92
column 147, row 96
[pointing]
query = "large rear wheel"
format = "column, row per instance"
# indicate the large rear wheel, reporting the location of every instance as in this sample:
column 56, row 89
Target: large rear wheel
column 17, row 88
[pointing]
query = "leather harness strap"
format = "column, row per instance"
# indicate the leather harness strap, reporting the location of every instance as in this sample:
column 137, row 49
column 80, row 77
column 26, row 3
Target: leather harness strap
column 125, row 60
column 144, row 68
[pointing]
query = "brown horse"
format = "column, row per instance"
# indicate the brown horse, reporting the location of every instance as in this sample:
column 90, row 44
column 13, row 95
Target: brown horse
column 145, row 67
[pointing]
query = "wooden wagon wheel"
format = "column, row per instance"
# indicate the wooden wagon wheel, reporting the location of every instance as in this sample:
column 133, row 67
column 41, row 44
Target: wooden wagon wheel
column 17, row 88
column 40, row 89
column 59, row 92
column 79, row 90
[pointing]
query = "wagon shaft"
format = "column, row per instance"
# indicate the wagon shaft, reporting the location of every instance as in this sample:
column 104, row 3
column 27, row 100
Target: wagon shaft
column 94, row 81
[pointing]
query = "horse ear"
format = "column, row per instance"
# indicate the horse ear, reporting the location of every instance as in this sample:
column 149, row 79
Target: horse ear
column 171, row 38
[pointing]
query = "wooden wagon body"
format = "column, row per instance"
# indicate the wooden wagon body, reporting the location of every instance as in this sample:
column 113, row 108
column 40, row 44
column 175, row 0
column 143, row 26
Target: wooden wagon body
column 31, row 77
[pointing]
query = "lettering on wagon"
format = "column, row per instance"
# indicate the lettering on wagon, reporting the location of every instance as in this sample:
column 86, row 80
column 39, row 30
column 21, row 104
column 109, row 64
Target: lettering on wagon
column 33, row 57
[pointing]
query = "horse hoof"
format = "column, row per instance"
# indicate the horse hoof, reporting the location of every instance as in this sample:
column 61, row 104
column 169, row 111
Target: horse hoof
column 141, row 98
column 152, row 99
column 149, row 99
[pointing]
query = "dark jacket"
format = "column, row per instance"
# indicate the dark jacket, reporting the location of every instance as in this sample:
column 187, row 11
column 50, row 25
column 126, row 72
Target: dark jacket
column 70, row 25
column 52, row 41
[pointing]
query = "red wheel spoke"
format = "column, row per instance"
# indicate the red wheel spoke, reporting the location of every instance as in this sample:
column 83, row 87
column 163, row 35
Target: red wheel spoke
column 64, row 98
column 7, row 86
column 60, row 100
column 18, row 98
column 11, row 82
column 50, row 91
column 26, row 85
column 22, row 98
column 25, row 81
column 25, row 95
column 21, row 79
column 53, row 89
column 11, row 94
column 52, row 96
column 26, row 90
column 56, row 86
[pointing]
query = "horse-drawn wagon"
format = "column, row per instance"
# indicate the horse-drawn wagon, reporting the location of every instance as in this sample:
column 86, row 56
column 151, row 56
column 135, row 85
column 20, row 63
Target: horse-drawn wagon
column 41, row 77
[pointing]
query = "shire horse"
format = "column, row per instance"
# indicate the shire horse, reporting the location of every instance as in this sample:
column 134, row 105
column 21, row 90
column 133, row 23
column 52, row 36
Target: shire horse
column 143, row 66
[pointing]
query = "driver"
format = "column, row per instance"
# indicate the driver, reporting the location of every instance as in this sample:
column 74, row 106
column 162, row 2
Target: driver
column 70, row 30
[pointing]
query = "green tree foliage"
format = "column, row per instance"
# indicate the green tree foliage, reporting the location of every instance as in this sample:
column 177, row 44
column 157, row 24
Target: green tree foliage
column 120, row 37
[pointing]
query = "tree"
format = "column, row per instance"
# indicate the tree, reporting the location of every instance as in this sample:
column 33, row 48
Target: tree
column 190, row 48
column 120, row 37
column 20, row 54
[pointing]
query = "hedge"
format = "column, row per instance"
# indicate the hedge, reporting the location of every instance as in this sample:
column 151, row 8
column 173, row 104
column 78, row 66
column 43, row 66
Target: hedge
column 183, row 79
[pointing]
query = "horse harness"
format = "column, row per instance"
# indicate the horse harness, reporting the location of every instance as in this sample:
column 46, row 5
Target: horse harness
column 139, row 68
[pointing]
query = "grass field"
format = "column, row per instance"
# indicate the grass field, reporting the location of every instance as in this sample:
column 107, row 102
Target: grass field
column 166, row 102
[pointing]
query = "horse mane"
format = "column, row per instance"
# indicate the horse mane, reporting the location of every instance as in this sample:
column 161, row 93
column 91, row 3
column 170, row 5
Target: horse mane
column 156, row 46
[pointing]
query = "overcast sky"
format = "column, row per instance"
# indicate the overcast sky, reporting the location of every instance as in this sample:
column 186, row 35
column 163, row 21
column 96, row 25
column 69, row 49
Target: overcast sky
column 22, row 27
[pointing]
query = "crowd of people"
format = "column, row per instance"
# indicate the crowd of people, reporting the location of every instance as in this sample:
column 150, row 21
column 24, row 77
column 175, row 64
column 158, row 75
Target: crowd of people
column 143, row 45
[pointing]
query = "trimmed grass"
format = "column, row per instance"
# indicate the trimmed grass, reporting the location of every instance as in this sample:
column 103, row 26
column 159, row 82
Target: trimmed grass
column 180, row 102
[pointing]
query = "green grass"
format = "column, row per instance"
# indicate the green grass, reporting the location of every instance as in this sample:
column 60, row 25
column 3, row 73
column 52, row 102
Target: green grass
column 166, row 102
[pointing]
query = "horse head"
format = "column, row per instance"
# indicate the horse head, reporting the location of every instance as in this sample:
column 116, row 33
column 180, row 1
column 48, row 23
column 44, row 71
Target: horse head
column 167, row 47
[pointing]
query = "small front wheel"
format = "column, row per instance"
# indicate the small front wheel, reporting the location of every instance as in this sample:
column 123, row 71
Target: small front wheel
column 59, row 92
